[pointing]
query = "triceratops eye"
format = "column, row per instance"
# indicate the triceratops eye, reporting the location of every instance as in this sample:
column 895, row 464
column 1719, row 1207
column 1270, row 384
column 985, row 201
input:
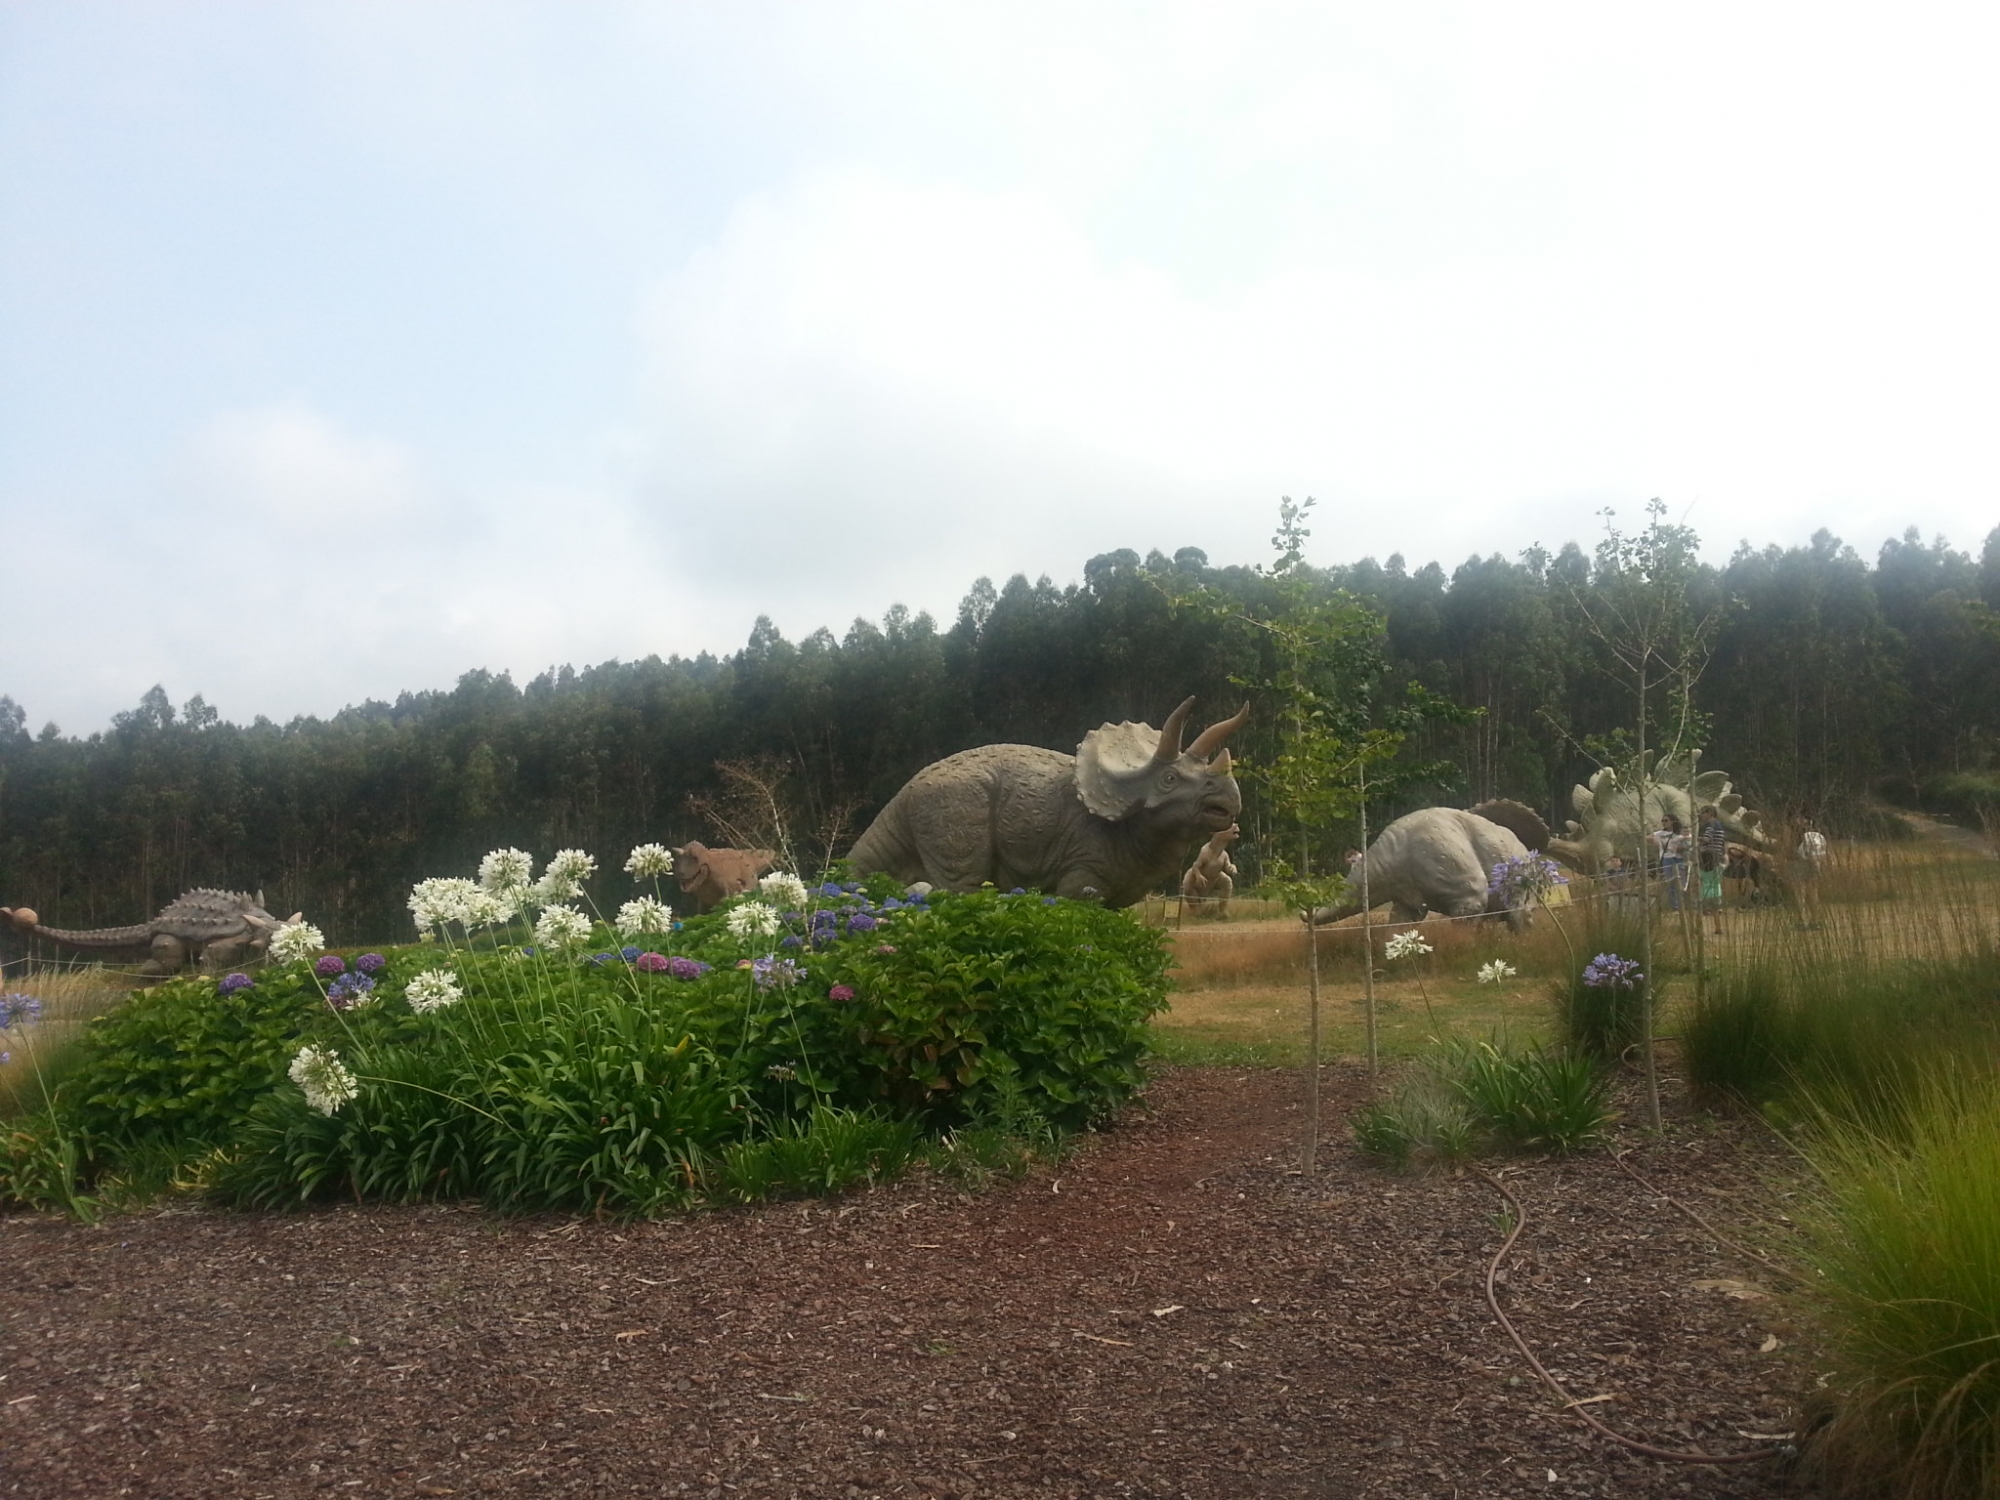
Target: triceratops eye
column 1168, row 780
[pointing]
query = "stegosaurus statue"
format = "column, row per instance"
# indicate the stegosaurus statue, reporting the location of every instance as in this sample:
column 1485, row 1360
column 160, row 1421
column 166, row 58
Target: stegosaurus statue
column 1609, row 819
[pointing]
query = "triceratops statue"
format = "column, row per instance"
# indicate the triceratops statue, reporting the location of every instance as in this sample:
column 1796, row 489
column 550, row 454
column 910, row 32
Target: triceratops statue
column 1108, row 824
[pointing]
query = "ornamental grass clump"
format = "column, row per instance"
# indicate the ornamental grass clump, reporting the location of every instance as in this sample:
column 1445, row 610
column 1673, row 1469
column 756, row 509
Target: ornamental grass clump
column 1466, row 1098
column 1905, row 1246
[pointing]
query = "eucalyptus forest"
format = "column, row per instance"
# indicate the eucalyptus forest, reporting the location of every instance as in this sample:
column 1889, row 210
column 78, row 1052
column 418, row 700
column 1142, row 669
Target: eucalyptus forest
column 1828, row 685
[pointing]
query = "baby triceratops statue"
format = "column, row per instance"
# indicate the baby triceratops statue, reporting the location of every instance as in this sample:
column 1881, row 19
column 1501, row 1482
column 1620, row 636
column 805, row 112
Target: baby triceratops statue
column 1209, row 881
column 711, row 876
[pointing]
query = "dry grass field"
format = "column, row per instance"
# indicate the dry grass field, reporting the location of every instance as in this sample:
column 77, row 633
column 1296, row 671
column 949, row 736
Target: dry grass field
column 1241, row 984
column 70, row 997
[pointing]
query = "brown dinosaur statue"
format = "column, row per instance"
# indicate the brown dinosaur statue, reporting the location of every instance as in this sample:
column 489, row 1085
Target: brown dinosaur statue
column 711, row 876
column 1209, row 881
column 217, row 929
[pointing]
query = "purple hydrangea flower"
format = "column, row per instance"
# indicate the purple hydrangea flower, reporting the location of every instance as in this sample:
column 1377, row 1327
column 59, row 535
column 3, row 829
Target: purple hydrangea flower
column 841, row 992
column 686, row 968
column 791, row 940
column 371, row 963
column 330, row 966
column 1524, row 878
column 18, row 1010
column 862, row 922
column 892, row 904
column 652, row 963
column 1019, row 890
column 1049, row 900
column 232, row 983
column 1609, row 971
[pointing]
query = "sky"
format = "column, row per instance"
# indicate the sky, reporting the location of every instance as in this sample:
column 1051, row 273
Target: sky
column 346, row 348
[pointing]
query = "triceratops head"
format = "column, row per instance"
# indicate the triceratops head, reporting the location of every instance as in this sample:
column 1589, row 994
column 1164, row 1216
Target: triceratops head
column 1130, row 770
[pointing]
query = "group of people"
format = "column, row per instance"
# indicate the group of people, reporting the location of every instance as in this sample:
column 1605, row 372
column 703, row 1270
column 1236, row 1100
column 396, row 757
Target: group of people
column 1708, row 854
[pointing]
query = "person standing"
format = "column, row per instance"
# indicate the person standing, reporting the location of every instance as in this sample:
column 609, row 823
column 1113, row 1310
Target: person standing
column 1810, row 864
column 1712, row 853
column 1671, row 839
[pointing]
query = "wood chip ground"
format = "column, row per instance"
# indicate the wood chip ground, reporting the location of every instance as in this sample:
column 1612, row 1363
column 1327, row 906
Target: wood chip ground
column 1171, row 1312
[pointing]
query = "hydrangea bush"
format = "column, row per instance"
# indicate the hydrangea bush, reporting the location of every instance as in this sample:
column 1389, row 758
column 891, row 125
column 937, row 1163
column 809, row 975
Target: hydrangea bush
column 544, row 1065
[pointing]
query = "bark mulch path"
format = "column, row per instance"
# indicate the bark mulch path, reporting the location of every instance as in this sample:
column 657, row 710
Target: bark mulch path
column 1170, row 1312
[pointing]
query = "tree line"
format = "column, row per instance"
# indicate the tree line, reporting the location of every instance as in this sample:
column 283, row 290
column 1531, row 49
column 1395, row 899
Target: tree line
column 1832, row 679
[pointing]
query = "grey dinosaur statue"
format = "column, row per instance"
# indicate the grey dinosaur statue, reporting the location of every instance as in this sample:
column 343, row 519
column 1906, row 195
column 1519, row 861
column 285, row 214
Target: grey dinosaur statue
column 1109, row 823
column 218, row 929
column 1210, row 881
column 1435, row 859
column 1613, row 822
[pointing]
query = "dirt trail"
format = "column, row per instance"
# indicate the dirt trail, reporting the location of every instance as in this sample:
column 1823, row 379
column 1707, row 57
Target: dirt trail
column 1171, row 1313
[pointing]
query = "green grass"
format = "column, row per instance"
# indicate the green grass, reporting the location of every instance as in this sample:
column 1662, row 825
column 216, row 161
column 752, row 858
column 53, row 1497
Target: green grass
column 1906, row 1246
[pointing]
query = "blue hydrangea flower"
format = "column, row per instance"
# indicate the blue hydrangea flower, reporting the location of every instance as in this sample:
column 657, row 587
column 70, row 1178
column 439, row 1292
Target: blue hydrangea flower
column 791, row 940
column 861, row 922
column 235, row 983
column 371, row 963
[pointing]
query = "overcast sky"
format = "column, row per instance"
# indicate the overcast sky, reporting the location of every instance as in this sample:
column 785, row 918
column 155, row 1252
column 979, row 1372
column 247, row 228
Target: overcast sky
column 346, row 348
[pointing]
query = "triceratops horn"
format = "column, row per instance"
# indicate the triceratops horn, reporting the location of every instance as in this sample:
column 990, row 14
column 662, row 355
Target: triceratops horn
column 1169, row 748
column 1211, row 739
column 1220, row 765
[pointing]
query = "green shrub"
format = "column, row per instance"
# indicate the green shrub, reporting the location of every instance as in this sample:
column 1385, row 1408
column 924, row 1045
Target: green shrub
column 1600, row 1020
column 1533, row 1099
column 1907, row 1246
column 182, row 1062
column 1794, row 1035
column 588, row 1082
column 1468, row 1097
column 825, row 1152
column 1425, row 1122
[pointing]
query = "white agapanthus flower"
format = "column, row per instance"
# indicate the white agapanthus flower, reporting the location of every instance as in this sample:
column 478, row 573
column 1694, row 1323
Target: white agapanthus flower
column 650, row 861
column 562, row 927
column 753, row 919
column 324, row 1078
column 491, row 908
column 431, row 990
column 551, row 890
column 644, row 915
column 442, row 899
column 1496, row 971
column 785, row 892
column 1405, row 945
column 573, row 865
column 506, row 870
column 296, row 940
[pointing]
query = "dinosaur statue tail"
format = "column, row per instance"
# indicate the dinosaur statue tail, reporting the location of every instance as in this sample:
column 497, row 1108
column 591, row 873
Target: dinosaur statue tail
column 100, row 937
